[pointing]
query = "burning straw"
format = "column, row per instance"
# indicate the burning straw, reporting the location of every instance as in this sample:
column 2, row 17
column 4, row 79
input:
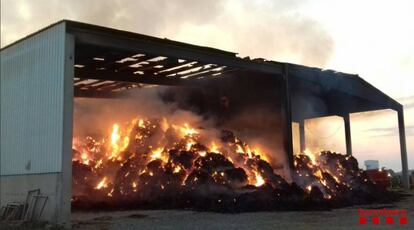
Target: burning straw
column 151, row 163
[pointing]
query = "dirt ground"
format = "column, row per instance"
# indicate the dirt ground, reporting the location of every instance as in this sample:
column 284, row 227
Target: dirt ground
column 345, row 218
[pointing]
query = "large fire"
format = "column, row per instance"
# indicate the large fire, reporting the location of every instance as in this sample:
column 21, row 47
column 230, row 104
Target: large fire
column 148, row 162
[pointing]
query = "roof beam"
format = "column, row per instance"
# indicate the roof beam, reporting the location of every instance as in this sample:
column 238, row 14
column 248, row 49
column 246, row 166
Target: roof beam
column 345, row 83
column 132, row 42
column 132, row 78
column 96, row 94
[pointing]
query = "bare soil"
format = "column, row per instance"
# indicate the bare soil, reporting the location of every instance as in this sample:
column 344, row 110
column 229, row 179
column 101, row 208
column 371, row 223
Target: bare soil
column 344, row 218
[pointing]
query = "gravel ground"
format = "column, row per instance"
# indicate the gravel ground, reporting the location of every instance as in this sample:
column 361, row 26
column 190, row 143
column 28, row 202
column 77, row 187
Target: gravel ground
column 345, row 218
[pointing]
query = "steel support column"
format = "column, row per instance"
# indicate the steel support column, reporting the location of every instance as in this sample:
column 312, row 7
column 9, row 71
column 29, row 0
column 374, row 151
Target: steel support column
column 287, row 121
column 302, row 135
column 403, row 147
column 348, row 140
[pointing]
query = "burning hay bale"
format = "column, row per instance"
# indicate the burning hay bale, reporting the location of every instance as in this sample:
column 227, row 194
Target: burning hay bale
column 150, row 163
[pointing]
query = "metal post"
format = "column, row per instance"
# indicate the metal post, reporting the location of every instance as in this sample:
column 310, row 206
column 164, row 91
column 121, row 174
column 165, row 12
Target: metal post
column 64, row 188
column 302, row 135
column 348, row 134
column 287, row 122
column 405, row 177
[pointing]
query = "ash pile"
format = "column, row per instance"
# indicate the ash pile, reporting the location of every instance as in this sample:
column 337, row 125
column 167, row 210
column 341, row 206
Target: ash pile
column 152, row 164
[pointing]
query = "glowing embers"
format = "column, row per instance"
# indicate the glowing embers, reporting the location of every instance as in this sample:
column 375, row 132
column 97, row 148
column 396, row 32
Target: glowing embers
column 85, row 158
column 187, row 130
column 312, row 156
column 259, row 179
column 243, row 148
column 152, row 152
column 102, row 184
column 114, row 141
column 151, row 161
column 119, row 141
column 213, row 147
column 329, row 172
column 159, row 154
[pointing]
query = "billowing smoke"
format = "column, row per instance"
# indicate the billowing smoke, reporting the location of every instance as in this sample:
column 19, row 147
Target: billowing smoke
column 255, row 124
column 96, row 116
column 262, row 127
column 158, row 155
column 269, row 29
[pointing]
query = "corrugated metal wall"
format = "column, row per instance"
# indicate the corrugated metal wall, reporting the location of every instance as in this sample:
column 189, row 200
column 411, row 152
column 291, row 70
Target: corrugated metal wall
column 32, row 97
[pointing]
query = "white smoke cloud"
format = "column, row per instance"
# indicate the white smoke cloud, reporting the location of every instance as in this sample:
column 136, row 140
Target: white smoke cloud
column 96, row 116
column 270, row 29
column 281, row 30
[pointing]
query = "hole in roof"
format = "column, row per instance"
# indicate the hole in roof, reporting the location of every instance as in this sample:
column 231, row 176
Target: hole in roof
column 218, row 69
column 190, row 70
column 159, row 58
column 178, row 67
column 87, row 81
column 138, row 55
column 126, row 60
column 102, row 83
column 136, row 65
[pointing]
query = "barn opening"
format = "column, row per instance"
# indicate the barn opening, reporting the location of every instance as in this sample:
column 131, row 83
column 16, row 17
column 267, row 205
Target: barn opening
column 48, row 75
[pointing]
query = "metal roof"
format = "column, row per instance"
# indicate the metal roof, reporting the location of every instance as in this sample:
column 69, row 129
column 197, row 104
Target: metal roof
column 110, row 61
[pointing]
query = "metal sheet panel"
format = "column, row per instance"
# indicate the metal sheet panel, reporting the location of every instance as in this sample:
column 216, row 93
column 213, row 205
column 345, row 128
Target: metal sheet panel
column 32, row 102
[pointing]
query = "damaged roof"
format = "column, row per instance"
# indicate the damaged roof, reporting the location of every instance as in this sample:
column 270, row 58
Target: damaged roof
column 109, row 61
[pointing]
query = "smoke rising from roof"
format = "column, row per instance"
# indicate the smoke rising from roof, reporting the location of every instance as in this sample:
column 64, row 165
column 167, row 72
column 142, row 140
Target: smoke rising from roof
column 273, row 29
column 95, row 117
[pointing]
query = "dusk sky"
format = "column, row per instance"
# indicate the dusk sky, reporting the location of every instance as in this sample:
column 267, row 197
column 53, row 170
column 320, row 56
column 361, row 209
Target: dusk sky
column 371, row 38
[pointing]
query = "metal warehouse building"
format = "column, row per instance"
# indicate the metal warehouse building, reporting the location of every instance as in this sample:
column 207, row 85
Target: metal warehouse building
column 42, row 73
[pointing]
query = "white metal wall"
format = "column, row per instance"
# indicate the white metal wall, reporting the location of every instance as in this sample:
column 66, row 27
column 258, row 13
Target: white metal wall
column 32, row 103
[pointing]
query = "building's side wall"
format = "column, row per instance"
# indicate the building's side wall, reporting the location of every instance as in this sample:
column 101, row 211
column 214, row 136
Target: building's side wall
column 65, row 191
column 14, row 189
column 32, row 74
column 34, row 90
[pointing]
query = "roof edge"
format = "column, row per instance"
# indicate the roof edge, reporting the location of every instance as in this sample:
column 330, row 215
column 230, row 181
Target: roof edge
column 33, row 34
column 76, row 25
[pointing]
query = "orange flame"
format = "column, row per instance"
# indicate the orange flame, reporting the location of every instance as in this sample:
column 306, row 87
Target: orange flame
column 259, row 179
column 311, row 156
column 186, row 130
column 102, row 184
column 213, row 147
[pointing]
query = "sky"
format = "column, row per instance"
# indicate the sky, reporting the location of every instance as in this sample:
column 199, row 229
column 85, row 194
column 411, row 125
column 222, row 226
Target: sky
column 371, row 38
